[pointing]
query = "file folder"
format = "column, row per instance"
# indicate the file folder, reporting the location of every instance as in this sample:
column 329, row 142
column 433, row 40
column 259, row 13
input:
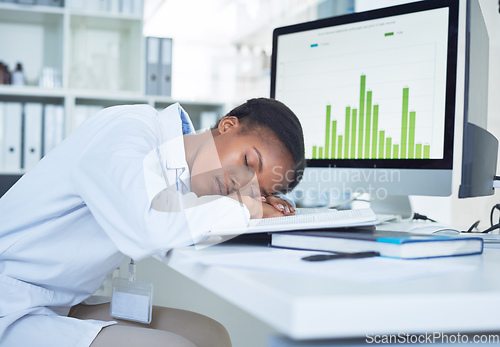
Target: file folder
column 114, row 6
column 138, row 7
column 166, row 67
column 2, row 149
column 12, row 121
column 153, row 65
column 127, row 6
column 53, row 127
column 32, row 135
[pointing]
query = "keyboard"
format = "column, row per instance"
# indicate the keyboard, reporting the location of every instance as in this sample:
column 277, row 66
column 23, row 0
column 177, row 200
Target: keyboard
column 306, row 219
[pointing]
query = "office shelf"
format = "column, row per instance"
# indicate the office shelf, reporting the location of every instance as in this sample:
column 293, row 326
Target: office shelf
column 97, row 58
column 29, row 93
column 10, row 9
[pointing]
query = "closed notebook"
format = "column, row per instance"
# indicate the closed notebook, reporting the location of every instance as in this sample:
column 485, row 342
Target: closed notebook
column 387, row 243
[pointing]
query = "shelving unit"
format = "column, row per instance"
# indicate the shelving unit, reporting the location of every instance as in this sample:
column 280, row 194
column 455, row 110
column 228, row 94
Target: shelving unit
column 98, row 59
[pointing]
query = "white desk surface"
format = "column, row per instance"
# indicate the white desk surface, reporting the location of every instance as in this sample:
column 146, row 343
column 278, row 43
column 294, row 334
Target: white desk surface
column 312, row 308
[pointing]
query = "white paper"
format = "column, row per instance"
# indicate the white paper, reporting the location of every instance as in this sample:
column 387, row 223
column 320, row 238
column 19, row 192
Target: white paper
column 371, row 270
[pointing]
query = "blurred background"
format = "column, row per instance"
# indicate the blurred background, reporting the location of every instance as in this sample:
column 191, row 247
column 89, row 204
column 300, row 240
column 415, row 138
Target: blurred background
column 222, row 48
column 69, row 59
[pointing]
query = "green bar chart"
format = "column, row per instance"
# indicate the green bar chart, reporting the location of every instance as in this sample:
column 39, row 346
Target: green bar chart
column 371, row 93
column 362, row 136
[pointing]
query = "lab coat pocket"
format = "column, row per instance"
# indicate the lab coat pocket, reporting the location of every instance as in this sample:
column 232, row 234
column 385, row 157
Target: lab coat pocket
column 18, row 295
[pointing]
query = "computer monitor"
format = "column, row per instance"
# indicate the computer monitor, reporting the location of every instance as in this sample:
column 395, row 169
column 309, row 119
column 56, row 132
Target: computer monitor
column 480, row 148
column 375, row 93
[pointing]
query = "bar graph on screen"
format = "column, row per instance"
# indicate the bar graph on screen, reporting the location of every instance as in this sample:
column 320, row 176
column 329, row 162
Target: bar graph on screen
column 363, row 139
column 374, row 90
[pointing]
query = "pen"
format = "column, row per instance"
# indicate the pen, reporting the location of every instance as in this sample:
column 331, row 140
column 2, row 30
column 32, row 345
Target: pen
column 357, row 255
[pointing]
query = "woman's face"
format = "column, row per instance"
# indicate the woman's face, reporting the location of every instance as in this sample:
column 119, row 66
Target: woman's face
column 252, row 163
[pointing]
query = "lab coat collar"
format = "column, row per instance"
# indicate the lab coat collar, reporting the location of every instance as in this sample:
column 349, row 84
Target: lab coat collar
column 175, row 122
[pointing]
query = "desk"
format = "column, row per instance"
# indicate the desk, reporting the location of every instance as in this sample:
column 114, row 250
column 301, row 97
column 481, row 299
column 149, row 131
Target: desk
column 321, row 308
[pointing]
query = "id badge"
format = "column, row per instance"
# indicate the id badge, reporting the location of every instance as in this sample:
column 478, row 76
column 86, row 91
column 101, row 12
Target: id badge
column 132, row 300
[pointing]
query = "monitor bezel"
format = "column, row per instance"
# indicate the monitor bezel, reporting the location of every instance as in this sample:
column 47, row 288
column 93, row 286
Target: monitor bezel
column 451, row 79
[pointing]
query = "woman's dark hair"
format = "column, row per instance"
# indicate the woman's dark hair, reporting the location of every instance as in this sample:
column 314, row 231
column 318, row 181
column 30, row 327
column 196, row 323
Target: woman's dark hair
column 278, row 118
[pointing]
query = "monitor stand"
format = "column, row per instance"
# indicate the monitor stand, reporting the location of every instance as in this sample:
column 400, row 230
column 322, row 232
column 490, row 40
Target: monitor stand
column 398, row 205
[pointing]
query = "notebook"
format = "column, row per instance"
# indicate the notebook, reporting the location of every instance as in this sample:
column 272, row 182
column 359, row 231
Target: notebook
column 388, row 243
column 305, row 219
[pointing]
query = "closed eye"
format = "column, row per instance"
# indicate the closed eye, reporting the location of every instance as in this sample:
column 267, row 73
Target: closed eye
column 246, row 162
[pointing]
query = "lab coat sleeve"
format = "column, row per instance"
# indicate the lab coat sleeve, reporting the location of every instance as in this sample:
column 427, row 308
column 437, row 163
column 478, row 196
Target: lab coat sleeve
column 109, row 178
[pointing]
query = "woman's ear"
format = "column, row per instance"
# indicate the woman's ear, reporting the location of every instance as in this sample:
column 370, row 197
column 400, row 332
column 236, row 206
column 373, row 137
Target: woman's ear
column 228, row 123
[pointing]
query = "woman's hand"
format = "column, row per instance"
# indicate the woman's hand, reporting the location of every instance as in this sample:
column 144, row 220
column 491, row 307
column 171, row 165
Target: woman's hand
column 265, row 207
column 281, row 206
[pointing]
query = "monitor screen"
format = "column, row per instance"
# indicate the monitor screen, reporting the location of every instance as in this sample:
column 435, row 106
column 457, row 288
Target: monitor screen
column 376, row 91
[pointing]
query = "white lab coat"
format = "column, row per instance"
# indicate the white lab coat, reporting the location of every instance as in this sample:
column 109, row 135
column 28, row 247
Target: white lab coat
column 71, row 220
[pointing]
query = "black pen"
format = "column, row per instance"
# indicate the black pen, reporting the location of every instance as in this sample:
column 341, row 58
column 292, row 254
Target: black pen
column 357, row 255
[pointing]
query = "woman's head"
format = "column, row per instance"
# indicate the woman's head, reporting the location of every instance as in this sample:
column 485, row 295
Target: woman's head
column 256, row 149
column 278, row 125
